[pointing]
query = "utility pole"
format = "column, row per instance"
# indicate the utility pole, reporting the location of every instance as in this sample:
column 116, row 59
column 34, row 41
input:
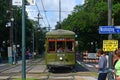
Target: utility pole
column 39, row 19
column 36, row 30
column 110, row 24
column 33, row 42
column 110, row 35
column 60, row 14
column 49, row 28
column 11, row 30
column 109, row 16
column 36, row 38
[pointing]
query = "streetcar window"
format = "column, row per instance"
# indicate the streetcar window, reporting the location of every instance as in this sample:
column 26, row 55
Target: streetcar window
column 51, row 46
column 69, row 46
column 60, row 46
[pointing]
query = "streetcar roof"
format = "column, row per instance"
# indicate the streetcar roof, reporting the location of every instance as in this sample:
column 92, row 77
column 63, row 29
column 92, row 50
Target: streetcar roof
column 60, row 32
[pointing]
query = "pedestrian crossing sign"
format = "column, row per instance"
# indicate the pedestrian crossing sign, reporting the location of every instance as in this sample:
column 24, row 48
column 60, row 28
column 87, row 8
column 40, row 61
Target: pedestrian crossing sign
column 110, row 45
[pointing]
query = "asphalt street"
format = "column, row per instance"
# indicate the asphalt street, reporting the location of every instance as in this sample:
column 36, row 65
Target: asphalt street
column 82, row 71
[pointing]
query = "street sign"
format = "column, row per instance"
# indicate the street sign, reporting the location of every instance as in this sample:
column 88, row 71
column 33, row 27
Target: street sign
column 106, row 30
column 110, row 45
column 17, row 2
column 117, row 29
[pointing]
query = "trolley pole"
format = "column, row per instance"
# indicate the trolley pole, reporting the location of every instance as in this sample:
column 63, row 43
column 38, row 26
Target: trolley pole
column 23, row 42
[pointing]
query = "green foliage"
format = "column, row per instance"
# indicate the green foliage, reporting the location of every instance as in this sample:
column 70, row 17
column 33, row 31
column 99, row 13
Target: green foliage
column 3, row 19
column 5, row 16
column 86, row 19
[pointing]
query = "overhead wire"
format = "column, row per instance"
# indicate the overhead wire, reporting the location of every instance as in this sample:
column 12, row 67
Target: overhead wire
column 40, row 13
column 30, row 12
column 45, row 13
column 50, row 11
column 38, row 10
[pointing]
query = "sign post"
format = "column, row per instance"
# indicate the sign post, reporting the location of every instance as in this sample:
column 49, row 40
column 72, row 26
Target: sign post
column 110, row 24
column 23, row 42
column 110, row 35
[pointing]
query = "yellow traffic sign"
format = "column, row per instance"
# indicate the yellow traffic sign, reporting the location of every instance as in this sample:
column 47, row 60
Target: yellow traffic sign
column 110, row 45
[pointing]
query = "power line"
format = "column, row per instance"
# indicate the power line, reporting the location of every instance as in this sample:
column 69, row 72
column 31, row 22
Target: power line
column 49, row 11
column 31, row 12
column 39, row 13
column 45, row 13
column 45, row 20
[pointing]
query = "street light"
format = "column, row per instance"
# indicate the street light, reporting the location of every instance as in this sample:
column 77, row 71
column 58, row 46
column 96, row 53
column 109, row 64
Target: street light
column 12, row 43
column 10, row 49
column 12, row 19
column 11, row 35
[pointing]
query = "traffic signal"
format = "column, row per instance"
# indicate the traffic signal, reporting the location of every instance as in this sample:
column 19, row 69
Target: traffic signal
column 76, row 35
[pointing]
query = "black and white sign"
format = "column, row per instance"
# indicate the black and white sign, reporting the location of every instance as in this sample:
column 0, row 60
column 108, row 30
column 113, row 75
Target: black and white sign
column 17, row 2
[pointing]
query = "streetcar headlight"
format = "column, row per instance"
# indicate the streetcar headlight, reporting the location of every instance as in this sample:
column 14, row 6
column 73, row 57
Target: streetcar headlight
column 61, row 58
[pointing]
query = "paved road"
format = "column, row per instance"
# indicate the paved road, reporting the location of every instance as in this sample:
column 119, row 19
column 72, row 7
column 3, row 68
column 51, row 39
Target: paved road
column 37, row 69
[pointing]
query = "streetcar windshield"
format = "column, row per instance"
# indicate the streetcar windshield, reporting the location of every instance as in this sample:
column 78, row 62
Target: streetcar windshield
column 60, row 45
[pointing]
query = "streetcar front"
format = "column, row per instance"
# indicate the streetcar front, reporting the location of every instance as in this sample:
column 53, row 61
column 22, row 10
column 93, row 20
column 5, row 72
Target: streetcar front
column 60, row 50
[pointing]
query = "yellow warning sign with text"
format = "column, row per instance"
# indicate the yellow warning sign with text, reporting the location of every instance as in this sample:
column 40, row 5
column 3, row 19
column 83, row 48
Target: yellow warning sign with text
column 110, row 45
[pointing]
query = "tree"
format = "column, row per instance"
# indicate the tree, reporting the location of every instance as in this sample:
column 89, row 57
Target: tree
column 86, row 19
column 5, row 17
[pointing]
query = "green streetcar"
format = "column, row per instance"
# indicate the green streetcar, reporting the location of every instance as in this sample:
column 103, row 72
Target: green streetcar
column 60, row 49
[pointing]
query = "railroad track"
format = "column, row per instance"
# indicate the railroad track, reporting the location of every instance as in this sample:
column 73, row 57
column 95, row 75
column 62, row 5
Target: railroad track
column 62, row 75
column 7, row 67
column 14, row 70
column 42, row 73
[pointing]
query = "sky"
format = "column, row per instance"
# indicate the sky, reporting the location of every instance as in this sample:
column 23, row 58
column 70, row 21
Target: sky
column 49, row 11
